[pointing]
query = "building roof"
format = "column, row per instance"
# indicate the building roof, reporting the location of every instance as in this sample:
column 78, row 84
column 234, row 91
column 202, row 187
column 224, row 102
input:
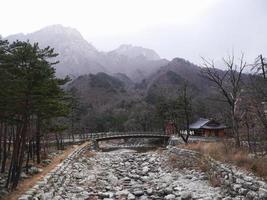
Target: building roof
column 199, row 123
column 203, row 123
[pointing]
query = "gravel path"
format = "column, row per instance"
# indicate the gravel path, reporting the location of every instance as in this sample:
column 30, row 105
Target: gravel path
column 126, row 175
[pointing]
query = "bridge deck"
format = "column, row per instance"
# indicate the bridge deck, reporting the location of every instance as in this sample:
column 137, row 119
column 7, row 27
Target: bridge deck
column 116, row 135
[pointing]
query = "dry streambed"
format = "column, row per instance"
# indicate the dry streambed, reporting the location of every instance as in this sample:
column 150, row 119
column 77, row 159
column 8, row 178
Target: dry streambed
column 123, row 175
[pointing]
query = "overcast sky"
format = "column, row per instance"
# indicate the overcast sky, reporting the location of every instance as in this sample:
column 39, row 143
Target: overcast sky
column 173, row 28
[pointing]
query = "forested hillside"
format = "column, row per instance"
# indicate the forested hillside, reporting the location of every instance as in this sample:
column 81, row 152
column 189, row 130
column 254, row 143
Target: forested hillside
column 115, row 102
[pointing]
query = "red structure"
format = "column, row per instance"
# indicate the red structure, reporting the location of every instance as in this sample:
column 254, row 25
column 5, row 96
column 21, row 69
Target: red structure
column 170, row 128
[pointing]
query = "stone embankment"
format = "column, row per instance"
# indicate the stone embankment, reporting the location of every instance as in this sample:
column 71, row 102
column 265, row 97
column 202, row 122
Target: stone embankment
column 130, row 175
column 234, row 181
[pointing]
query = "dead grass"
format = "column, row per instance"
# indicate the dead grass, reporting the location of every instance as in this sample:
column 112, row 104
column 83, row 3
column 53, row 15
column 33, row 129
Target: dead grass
column 186, row 162
column 160, row 150
column 205, row 166
column 214, row 181
column 89, row 154
column 227, row 152
column 175, row 163
column 201, row 163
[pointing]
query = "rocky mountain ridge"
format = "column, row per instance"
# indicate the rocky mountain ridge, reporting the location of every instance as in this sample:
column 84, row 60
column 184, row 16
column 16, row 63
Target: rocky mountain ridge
column 78, row 57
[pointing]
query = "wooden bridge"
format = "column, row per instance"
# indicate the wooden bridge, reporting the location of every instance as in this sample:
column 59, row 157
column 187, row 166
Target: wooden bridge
column 119, row 135
column 96, row 137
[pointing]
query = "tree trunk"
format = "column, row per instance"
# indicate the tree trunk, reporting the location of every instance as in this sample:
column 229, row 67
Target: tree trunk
column 20, row 155
column 38, row 140
column 14, row 157
column 1, row 133
column 11, row 135
column 28, row 156
column 57, row 141
column 4, row 151
column 263, row 67
column 235, row 126
column 248, row 135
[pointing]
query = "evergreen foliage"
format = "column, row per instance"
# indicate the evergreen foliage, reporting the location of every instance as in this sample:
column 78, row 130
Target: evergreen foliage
column 30, row 96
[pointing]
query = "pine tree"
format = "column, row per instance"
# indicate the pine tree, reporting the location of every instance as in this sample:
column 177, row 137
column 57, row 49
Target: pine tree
column 29, row 94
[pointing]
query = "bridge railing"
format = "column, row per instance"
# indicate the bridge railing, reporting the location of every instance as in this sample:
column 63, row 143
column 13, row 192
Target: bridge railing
column 118, row 134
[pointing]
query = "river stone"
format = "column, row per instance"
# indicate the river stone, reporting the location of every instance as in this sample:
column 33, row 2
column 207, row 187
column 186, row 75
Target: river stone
column 263, row 193
column 25, row 197
column 57, row 198
column 149, row 191
column 248, row 178
column 33, row 170
column 236, row 187
column 242, row 191
column 23, row 175
column 186, row 195
column 130, row 196
column 108, row 194
column 145, row 169
column 169, row 197
column 138, row 192
column 251, row 195
column 143, row 197
column 168, row 190
column 122, row 193
column 76, row 189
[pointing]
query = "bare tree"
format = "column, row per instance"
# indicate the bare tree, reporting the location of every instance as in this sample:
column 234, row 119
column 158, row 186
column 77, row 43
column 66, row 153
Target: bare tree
column 257, row 87
column 229, row 85
column 178, row 112
column 260, row 66
column 184, row 106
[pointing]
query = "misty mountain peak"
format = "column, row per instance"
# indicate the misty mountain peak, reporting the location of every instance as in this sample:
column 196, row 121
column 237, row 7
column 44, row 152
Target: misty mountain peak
column 131, row 51
column 179, row 61
column 54, row 35
column 59, row 30
column 78, row 57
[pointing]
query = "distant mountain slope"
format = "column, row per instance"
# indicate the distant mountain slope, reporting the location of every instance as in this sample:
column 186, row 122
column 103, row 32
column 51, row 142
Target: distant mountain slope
column 165, row 85
column 167, row 80
column 101, row 91
column 135, row 52
column 78, row 57
column 116, row 99
column 137, row 68
column 124, row 78
column 187, row 70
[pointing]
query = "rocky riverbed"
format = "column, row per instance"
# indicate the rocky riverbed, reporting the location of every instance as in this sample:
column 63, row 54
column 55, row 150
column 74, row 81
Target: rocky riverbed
column 125, row 174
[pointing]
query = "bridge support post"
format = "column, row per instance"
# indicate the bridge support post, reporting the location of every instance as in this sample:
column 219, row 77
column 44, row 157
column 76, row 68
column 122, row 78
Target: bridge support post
column 165, row 141
column 95, row 145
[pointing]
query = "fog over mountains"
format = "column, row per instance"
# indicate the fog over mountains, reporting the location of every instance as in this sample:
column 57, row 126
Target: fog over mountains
column 126, row 83
column 128, row 72
column 77, row 56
